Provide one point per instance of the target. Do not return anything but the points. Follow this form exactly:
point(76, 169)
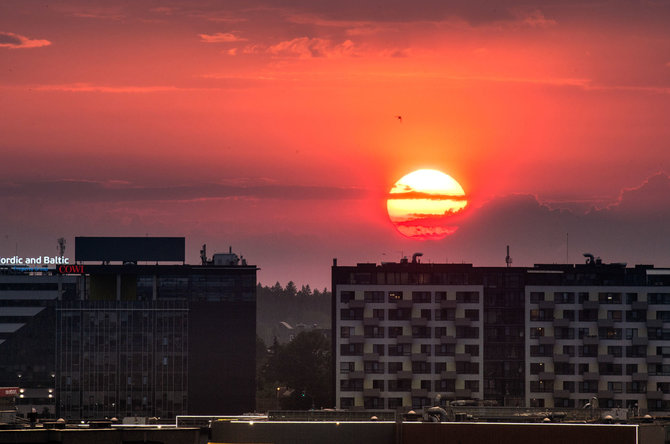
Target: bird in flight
point(399, 118)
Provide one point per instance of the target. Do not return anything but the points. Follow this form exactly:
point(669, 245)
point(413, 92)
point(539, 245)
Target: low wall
point(102, 436)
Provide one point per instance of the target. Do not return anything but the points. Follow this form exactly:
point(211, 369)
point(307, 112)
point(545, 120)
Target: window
point(351, 385)
point(445, 314)
point(421, 296)
point(400, 350)
point(636, 315)
point(609, 298)
point(420, 367)
point(445, 349)
point(659, 298)
point(440, 331)
point(610, 369)
point(631, 333)
point(569, 350)
point(541, 386)
point(583, 332)
point(445, 385)
point(588, 351)
point(426, 349)
point(467, 297)
point(351, 349)
point(394, 332)
point(379, 349)
point(564, 298)
point(536, 368)
point(588, 387)
point(420, 332)
point(564, 368)
point(373, 296)
point(615, 387)
point(346, 367)
point(351, 314)
point(346, 332)
point(536, 296)
point(440, 296)
point(564, 333)
point(373, 331)
point(467, 368)
point(569, 315)
point(378, 313)
point(631, 368)
point(400, 314)
point(471, 385)
point(631, 297)
point(590, 315)
point(395, 367)
point(394, 403)
point(546, 314)
point(583, 297)
point(615, 350)
point(472, 315)
point(373, 367)
point(615, 315)
point(536, 332)
point(426, 314)
point(569, 386)
point(346, 296)
point(472, 349)
point(440, 367)
point(467, 332)
point(609, 333)
point(541, 350)
point(395, 296)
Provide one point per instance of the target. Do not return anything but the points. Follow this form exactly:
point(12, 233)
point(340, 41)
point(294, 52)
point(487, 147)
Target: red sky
point(270, 126)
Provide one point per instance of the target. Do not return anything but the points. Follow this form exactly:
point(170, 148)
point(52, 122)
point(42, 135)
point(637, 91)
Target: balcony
point(546, 376)
point(374, 357)
point(638, 340)
point(605, 323)
point(605, 359)
point(654, 359)
point(404, 303)
point(561, 358)
point(419, 322)
point(591, 305)
point(591, 376)
point(356, 339)
point(462, 322)
point(563, 322)
point(590, 340)
point(356, 303)
point(640, 376)
point(371, 393)
point(565, 394)
point(448, 304)
point(418, 357)
point(639, 305)
point(654, 395)
point(463, 393)
point(447, 340)
point(405, 339)
point(462, 357)
point(547, 340)
point(605, 394)
point(546, 304)
point(654, 323)
point(371, 322)
point(419, 393)
point(403, 375)
point(448, 375)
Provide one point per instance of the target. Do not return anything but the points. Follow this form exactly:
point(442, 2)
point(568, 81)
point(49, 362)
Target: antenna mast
point(508, 259)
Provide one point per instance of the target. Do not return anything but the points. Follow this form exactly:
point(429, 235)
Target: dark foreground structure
point(432, 433)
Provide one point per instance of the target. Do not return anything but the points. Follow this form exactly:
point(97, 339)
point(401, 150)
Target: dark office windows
point(421, 296)
point(467, 297)
point(373, 296)
point(346, 296)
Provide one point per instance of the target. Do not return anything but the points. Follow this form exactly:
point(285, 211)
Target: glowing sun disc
point(421, 203)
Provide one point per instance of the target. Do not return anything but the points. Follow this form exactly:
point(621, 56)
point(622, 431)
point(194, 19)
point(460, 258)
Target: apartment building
point(548, 335)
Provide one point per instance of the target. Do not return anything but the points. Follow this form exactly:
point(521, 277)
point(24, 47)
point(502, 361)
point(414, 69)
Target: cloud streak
point(16, 41)
point(93, 191)
point(221, 37)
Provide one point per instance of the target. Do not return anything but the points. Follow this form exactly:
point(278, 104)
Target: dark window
point(373, 296)
point(467, 297)
point(346, 296)
point(395, 296)
point(421, 296)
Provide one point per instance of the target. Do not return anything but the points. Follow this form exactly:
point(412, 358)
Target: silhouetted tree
point(304, 366)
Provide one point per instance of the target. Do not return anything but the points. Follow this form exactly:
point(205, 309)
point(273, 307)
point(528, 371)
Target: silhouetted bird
point(399, 118)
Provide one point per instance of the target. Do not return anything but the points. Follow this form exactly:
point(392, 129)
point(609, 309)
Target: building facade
point(157, 339)
point(548, 335)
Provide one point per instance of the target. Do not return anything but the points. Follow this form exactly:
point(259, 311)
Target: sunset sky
point(272, 126)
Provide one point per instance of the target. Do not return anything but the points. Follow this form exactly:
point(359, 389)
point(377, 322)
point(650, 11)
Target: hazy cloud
point(17, 41)
point(92, 191)
point(221, 37)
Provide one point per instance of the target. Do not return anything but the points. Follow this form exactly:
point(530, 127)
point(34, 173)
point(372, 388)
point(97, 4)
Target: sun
point(421, 204)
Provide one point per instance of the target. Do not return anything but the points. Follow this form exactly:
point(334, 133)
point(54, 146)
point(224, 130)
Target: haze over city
point(279, 128)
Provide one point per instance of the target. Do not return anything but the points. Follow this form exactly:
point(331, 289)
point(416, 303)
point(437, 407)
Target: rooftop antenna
point(508, 259)
point(61, 246)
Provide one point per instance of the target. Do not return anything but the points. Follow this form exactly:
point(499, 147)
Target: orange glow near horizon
point(421, 204)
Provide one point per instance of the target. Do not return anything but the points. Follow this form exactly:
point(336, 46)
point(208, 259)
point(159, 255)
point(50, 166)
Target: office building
point(548, 335)
point(138, 332)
